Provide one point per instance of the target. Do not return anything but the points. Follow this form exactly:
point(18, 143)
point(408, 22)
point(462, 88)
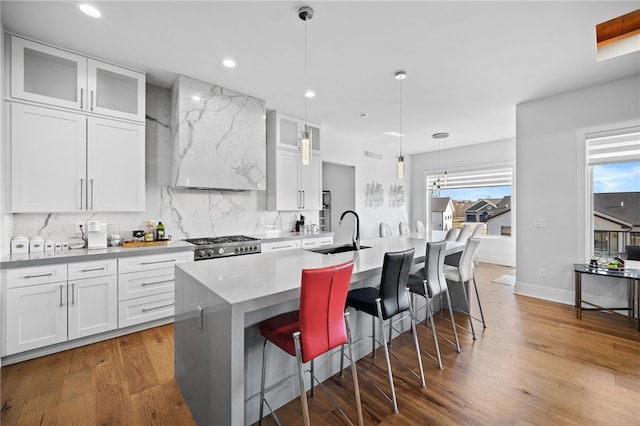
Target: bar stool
point(462, 273)
point(390, 299)
point(320, 325)
point(430, 283)
point(404, 229)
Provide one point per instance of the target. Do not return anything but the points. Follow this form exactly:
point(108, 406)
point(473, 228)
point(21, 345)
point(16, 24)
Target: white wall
point(550, 184)
point(500, 250)
point(351, 152)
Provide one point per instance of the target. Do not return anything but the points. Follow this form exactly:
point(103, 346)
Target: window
point(613, 161)
point(477, 196)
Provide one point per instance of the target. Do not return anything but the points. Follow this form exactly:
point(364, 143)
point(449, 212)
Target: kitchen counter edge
point(86, 255)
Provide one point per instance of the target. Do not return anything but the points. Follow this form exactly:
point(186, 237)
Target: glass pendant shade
point(400, 168)
point(306, 147)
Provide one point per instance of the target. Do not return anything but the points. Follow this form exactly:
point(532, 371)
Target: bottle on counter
point(160, 232)
point(149, 233)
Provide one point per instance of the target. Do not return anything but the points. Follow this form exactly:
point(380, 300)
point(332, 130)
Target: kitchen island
point(219, 304)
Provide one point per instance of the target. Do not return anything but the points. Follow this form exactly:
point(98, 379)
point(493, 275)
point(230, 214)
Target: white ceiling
point(468, 63)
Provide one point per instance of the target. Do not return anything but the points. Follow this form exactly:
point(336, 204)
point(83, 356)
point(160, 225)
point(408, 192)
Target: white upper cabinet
point(68, 162)
point(115, 165)
point(52, 76)
point(48, 160)
point(292, 185)
point(287, 131)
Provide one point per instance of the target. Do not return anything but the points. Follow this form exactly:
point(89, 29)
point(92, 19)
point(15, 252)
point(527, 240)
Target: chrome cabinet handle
point(157, 282)
point(73, 294)
point(61, 296)
point(81, 98)
point(38, 276)
point(157, 307)
point(92, 100)
point(93, 269)
point(91, 193)
point(81, 191)
point(304, 199)
point(157, 261)
point(281, 247)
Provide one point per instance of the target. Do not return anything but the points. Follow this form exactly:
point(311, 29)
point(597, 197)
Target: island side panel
point(204, 364)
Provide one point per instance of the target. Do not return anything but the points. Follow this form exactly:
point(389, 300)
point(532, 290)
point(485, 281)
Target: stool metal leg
point(264, 363)
point(386, 356)
point(354, 372)
point(303, 394)
point(373, 337)
point(433, 326)
point(475, 286)
point(453, 322)
point(415, 340)
point(466, 300)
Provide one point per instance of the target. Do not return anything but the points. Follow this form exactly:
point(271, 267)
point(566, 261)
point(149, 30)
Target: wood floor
point(534, 364)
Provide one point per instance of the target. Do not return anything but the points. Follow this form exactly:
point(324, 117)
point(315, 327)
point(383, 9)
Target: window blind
point(473, 179)
point(614, 146)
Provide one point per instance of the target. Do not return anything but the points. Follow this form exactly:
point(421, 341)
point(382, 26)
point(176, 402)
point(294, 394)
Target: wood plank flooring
point(535, 364)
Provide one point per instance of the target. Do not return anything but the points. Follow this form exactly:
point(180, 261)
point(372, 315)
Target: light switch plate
point(539, 222)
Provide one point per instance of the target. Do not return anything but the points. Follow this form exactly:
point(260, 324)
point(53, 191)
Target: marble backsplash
point(185, 213)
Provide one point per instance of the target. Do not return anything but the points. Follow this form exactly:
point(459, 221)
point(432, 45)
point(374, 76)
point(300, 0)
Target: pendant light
point(400, 75)
point(443, 135)
point(306, 14)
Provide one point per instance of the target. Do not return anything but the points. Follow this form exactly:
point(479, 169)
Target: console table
point(631, 275)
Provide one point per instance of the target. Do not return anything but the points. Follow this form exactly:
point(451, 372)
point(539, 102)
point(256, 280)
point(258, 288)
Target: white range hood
point(219, 138)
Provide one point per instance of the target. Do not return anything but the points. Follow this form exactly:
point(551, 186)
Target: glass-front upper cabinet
point(52, 76)
point(47, 75)
point(115, 91)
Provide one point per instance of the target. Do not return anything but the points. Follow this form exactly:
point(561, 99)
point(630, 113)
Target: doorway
point(339, 194)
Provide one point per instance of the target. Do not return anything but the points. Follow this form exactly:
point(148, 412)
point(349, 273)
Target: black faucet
point(356, 240)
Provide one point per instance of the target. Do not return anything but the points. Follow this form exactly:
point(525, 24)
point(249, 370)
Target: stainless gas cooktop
point(231, 245)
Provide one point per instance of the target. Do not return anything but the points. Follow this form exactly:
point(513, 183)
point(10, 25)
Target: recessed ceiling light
point(87, 9)
point(196, 98)
point(393, 134)
point(310, 94)
point(229, 63)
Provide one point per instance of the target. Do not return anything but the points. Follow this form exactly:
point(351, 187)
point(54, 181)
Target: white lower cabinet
point(145, 287)
point(93, 307)
point(36, 316)
point(52, 304)
point(317, 242)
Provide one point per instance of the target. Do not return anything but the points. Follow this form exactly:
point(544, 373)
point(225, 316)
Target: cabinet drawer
point(316, 242)
point(148, 263)
point(21, 277)
point(281, 245)
point(145, 283)
point(143, 309)
point(99, 268)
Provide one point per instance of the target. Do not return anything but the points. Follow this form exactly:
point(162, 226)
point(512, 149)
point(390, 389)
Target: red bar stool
point(320, 325)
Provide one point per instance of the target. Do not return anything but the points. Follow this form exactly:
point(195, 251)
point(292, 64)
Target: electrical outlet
point(539, 222)
point(542, 273)
point(80, 226)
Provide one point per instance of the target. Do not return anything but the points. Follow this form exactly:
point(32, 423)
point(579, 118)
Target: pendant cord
point(400, 118)
point(305, 74)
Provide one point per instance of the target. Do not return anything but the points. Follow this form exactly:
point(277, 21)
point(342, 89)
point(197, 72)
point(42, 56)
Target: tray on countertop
point(130, 244)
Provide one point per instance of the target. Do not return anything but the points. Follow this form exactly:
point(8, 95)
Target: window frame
point(584, 206)
point(483, 168)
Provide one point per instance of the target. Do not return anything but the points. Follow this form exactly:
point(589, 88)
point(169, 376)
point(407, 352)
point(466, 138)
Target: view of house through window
point(479, 198)
point(616, 207)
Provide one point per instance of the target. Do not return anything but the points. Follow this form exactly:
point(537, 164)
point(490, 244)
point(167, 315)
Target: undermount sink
point(337, 249)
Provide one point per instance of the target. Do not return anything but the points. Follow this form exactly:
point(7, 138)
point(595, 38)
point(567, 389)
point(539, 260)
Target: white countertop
point(83, 255)
point(248, 279)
